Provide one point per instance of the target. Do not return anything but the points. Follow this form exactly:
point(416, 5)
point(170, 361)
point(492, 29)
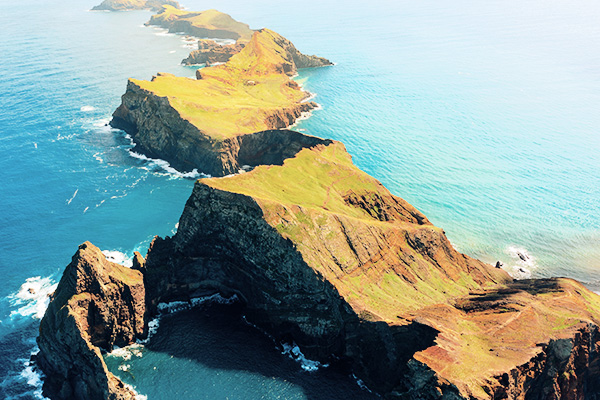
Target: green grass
point(234, 98)
point(209, 19)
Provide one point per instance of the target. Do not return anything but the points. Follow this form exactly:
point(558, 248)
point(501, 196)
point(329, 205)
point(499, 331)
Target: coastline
point(296, 122)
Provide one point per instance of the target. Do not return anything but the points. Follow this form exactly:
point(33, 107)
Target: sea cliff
point(318, 253)
point(200, 124)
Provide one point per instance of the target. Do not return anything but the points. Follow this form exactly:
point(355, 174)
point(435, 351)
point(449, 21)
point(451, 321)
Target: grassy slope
point(304, 201)
point(209, 19)
point(485, 329)
point(234, 98)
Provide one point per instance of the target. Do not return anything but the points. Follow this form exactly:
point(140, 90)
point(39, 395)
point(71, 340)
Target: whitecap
point(118, 257)
point(33, 297)
point(72, 197)
point(87, 108)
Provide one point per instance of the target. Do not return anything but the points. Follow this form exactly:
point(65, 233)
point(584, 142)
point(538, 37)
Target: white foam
point(33, 297)
point(523, 263)
point(74, 194)
point(294, 352)
point(154, 164)
point(33, 376)
point(177, 306)
point(361, 384)
point(87, 108)
point(118, 257)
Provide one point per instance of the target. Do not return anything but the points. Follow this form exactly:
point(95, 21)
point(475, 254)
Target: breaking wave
point(33, 297)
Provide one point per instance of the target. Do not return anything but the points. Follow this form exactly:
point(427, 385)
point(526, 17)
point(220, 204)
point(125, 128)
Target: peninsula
point(203, 123)
point(317, 252)
point(125, 5)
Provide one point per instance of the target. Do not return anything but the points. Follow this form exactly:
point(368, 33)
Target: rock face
point(206, 24)
point(210, 52)
point(160, 132)
point(97, 305)
point(321, 254)
point(123, 5)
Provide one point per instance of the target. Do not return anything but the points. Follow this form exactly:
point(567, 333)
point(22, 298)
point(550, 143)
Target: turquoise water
point(484, 116)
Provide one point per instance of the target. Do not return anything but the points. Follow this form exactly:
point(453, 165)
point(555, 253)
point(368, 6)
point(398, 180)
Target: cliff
point(123, 5)
point(198, 123)
point(97, 305)
point(210, 52)
point(206, 24)
point(322, 254)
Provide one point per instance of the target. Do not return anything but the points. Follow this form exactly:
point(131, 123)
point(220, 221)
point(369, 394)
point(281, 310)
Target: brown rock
point(97, 305)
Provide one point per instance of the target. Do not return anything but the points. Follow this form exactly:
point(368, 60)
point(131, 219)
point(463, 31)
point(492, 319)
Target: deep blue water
point(484, 116)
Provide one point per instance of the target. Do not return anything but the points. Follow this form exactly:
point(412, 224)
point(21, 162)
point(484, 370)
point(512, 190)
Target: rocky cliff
point(97, 305)
point(210, 52)
point(206, 24)
point(159, 131)
point(200, 124)
point(123, 5)
point(322, 254)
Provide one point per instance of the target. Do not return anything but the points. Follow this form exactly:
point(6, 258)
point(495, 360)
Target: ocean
point(482, 115)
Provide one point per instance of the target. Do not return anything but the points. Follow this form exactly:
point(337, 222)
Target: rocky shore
point(318, 253)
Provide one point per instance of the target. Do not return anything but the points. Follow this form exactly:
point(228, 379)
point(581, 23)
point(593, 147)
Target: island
point(125, 5)
point(207, 123)
point(317, 252)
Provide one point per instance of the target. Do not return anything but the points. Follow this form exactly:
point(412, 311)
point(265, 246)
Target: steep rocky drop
point(96, 306)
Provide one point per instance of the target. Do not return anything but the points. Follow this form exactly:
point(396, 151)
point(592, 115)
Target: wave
point(294, 352)
point(72, 197)
point(523, 264)
point(33, 375)
point(33, 297)
point(87, 108)
point(155, 165)
point(118, 257)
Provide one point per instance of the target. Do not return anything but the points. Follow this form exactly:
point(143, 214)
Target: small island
point(317, 252)
point(125, 5)
point(203, 124)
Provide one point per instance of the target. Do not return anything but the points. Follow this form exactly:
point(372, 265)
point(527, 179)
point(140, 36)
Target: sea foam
point(33, 297)
point(523, 263)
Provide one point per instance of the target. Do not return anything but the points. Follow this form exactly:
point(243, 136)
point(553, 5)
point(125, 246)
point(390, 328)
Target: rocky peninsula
point(125, 5)
point(317, 252)
point(204, 124)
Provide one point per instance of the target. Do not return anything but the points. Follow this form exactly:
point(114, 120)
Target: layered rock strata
point(97, 305)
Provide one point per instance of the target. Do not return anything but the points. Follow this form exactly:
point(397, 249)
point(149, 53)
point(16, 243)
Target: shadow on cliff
point(218, 338)
point(225, 245)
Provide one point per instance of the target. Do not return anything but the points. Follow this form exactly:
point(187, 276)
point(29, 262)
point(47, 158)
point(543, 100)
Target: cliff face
point(122, 5)
point(322, 254)
point(96, 306)
point(160, 132)
point(210, 52)
point(205, 24)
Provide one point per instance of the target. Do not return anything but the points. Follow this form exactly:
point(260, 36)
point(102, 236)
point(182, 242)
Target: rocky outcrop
point(323, 255)
point(123, 5)
point(159, 131)
point(97, 305)
point(206, 24)
point(210, 52)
